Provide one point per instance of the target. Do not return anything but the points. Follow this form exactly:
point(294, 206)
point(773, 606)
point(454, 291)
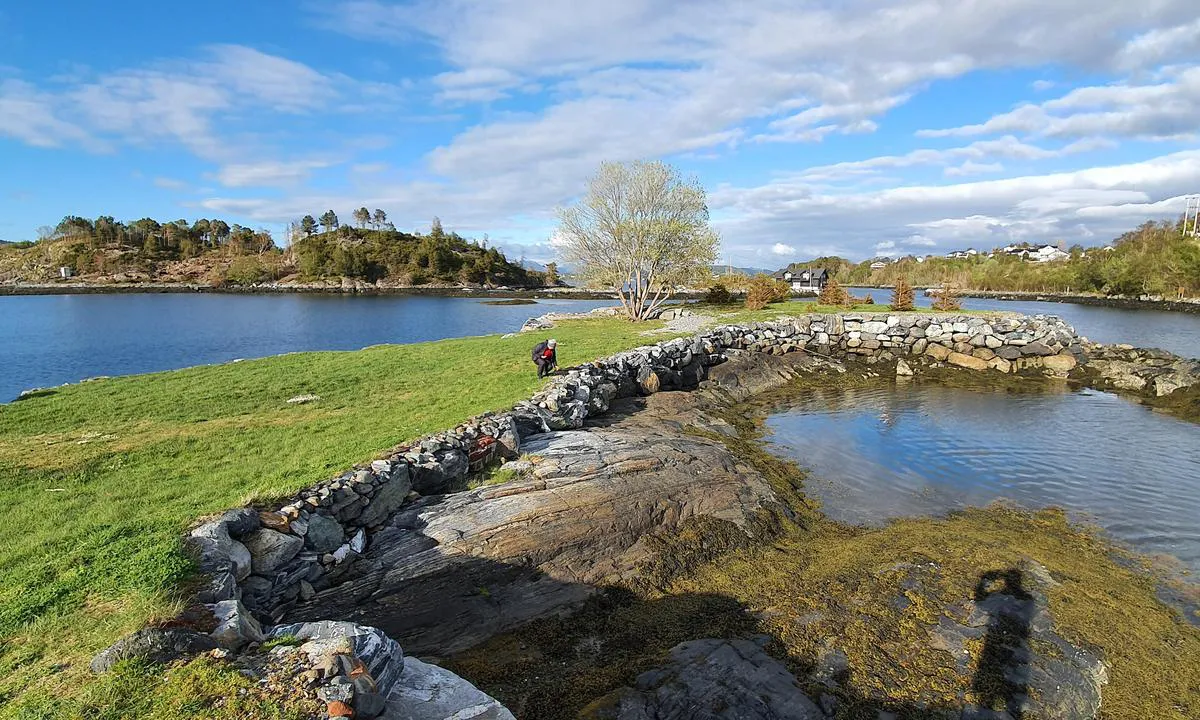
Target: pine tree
point(903, 298)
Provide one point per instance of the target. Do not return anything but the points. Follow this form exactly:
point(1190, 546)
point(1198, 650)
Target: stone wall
point(263, 563)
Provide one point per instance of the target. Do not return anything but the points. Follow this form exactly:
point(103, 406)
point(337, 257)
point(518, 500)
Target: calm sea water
point(52, 339)
point(922, 449)
point(1174, 331)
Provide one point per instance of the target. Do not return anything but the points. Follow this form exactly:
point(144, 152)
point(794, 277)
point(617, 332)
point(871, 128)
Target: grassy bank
point(99, 480)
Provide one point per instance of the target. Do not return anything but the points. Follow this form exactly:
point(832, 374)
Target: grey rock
point(153, 645)
point(710, 679)
point(388, 498)
point(382, 656)
point(428, 692)
point(236, 627)
point(1037, 347)
point(324, 534)
point(368, 705)
point(240, 522)
point(270, 549)
point(218, 551)
point(433, 478)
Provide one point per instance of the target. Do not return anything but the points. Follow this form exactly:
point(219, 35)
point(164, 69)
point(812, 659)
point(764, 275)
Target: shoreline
point(1114, 301)
point(1186, 305)
point(187, 288)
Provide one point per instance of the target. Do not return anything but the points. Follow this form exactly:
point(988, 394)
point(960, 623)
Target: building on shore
point(805, 281)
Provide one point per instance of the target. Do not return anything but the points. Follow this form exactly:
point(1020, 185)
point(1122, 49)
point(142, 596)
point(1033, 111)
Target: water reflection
point(917, 448)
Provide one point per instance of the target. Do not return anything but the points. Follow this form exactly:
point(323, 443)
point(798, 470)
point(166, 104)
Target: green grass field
point(99, 480)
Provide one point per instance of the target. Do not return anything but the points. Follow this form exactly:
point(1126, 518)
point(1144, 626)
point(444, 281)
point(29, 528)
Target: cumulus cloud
point(269, 173)
point(781, 249)
point(1076, 206)
point(1162, 110)
point(180, 101)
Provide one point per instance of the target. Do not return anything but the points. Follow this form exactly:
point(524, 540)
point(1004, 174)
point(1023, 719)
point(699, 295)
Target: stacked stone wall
point(263, 563)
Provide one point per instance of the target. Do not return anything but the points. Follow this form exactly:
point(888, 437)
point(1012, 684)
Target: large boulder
point(709, 680)
point(967, 361)
point(236, 627)
point(381, 656)
point(218, 552)
point(324, 534)
point(270, 549)
point(154, 645)
point(428, 692)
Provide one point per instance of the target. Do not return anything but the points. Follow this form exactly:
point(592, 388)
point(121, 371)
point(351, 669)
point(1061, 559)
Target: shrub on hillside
point(765, 290)
point(246, 270)
point(903, 297)
point(718, 294)
point(947, 299)
point(834, 294)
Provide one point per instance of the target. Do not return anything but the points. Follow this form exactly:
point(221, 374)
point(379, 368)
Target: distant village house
point(803, 280)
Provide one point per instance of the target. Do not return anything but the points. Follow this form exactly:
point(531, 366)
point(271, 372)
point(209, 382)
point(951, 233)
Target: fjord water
point(916, 448)
point(53, 339)
point(1176, 332)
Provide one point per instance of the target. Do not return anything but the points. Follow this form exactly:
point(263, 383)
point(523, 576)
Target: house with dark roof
point(805, 281)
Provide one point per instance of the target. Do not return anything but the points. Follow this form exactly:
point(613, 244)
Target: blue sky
point(857, 128)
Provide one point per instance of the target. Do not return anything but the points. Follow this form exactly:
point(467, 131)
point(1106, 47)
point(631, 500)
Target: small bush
point(718, 294)
point(869, 299)
point(765, 290)
point(246, 271)
point(903, 298)
point(947, 299)
point(834, 294)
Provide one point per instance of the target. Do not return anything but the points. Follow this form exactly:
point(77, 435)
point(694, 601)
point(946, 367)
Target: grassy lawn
point(99, 480)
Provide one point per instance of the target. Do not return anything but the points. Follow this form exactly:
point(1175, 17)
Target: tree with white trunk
point(642, 230)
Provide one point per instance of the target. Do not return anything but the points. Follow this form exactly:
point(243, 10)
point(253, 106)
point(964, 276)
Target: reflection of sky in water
point(920, 449)
point(51, 339)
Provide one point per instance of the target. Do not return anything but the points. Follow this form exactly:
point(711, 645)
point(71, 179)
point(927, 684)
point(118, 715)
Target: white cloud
point(1163, 110)
point(781, 249)
point(970, 167)
point(269, 173)
point(1043, 85)
point(178, 101)
point(1079, 205)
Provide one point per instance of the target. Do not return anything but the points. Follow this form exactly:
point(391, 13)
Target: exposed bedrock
point(448, 572)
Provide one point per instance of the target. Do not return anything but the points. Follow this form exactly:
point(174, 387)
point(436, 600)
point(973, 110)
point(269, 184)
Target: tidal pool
point(921, 448)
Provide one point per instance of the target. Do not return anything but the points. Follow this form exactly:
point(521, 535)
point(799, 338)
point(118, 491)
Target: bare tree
point(642, 229)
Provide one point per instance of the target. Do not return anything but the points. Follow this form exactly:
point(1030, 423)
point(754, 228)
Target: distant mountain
point(536, 266)
point(725, 270)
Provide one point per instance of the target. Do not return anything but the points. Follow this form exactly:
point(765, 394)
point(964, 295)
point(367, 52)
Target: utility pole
point(1191, 217)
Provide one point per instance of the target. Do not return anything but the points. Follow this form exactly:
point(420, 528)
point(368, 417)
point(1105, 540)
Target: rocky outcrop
point(384, 543)
point(358, 671)
point(1151, 372)
point(710, 680)
point(450, 572)
point(1002, 643)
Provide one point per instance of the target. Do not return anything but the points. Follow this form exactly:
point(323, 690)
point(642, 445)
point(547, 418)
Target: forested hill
point(213, 252)
point(1154, 259)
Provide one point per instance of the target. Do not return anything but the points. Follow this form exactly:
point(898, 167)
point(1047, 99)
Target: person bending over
point(544, 357)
